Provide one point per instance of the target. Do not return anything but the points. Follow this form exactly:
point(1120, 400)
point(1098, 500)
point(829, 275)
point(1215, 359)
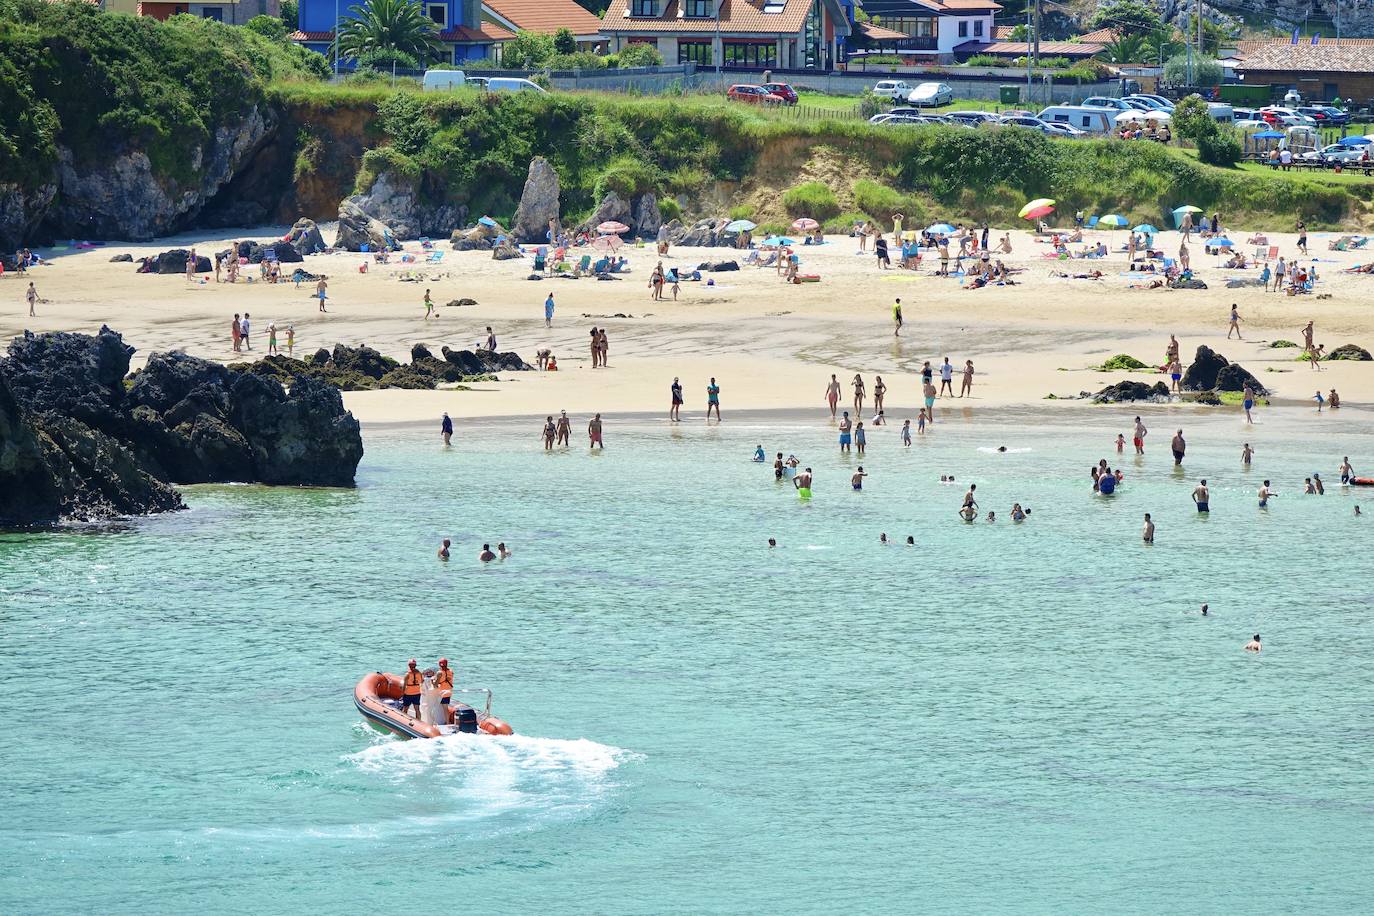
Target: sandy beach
point(769, 344)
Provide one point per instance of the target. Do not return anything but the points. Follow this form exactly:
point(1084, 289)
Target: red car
point(756, 95)
point(782, 91)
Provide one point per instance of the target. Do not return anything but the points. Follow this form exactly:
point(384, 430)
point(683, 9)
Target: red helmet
point(443, 663)
point(411, 663)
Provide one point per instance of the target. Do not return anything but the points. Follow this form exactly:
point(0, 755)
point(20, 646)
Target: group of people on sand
point(240, 334)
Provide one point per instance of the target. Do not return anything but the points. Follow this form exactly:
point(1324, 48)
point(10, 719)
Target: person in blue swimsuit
point(845, 426)
point(712, 400)
point(675, 412)
point(760, 455)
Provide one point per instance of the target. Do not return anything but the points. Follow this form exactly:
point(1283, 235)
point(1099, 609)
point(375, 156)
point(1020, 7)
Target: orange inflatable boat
point(378, 698)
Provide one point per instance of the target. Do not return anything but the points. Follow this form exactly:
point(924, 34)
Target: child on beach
point(906, 433)
point(1120, 443)
point(860, 440)
point(320, 289)
point(1319, 399)
point(290, 340)
point(921, 422)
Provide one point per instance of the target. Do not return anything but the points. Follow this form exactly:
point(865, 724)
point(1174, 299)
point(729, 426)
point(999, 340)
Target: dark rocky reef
point(79, 441)
point(364, 369)
point(1210, 371)
point(1350, 351)
point(1132, 391)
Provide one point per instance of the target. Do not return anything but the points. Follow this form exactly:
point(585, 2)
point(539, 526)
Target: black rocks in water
point(1132, 391)
point(77, 441)
point(1211, 371)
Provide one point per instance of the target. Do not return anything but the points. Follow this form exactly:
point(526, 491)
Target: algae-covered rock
point(1350, 351)
point(1121, 361)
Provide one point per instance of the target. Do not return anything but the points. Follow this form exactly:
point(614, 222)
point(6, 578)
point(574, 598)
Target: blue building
point(462, 32)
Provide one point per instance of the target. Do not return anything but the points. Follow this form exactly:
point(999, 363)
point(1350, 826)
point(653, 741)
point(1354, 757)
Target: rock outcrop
point(364, 369)
point(305, 237)
point(357, 228)
point(408, 210)
point(1210, 370)
point(1131, 391)
point(1350, 351)
point(613, 207)
point(645, 217)
point(538, 203)
point(76, 441)
point(174, 262)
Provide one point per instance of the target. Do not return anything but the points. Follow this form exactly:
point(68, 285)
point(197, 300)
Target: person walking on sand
point(1179, 447)
point(712, 400)
point(1248, 401)
point(271, 338)
point(548, 433)
point(897, 318)
point(879, 390)
point(191, 265)
point(1302, 237)
point(236, 332)
point(244, 325)
point(31, 294)
point(1183, 253)
point(290, 340)
point(1279, 270)
point(859, 392)
point(966, 388)
point(563, 435)
point(446, 429)
point(675, 411)
point(832, 394)
point(897, 220)
point(1235, 322)
point(928, 391)
point(1147, 532)
point(322, 293)
point(594, 433)
point(429, 306)
point(548, 311)
point(946, 378)
point(1139, 436)
point(1200, 496)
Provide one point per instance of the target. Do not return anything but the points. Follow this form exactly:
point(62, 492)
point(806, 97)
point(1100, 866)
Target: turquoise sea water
point(1004, 719)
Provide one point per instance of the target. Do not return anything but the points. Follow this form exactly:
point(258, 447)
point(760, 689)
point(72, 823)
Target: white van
point(1221, 112)
point(444, 79)
point(510, 84)
point(1084, 117)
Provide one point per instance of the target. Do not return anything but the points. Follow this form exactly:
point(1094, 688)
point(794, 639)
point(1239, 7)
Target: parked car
point(1247, 117)
point(931, 95)
point(880, 119)
point(1325, 115)
point(754, 95)
point(507, 84)
point(972, 118)
point(1149, 102)
point(1286, 117)
point(1057, 129)
point(478, 82)
point(1030, 122)
point(892, 89)
point(1102, 101)
point(1090, 118)
point(782, 91)
point(1336, 152)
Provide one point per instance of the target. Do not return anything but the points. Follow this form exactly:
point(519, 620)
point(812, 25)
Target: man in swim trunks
point(832, 394)
point(929, 392)
point(969, 500)
point(594, 433)
point(1264, 495)
point(777, 468)
point(845, 426)
point(1147, 532)
point(674, 412)
point(946, 378)
point(1179, 447)
point(1200, 496)
point(1248, 401)
point(486, 556)
point(857, 481)
point(411, 689)
point(1347, 471)
point(802, 483)
point(1139, 439)
point(712, 400)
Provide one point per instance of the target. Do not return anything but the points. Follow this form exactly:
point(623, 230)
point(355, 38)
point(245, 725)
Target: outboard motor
point(465, 717)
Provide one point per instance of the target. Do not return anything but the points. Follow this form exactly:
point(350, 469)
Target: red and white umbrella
point(611, 227)
point(805, 224)
point(608, 243)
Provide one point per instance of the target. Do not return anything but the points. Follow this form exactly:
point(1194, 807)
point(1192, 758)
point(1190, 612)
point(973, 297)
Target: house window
point(699, 9)
point(963, 28)
point(213, 12)
point(978, 29)
point(917, 28)
point(694, 52)
point(750, 54)
point(438, 14)
point(644, 8)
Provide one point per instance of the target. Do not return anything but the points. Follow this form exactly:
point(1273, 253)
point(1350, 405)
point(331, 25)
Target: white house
point(934, 28)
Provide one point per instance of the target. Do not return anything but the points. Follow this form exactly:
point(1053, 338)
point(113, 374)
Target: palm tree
point(1125, 49)
point(1161, 44)
point(381, 27)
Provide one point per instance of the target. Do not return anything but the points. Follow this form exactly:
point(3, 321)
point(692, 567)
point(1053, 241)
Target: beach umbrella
point(805, 224)
point(608, 242)
point(777, 241)
point(488, 221)
point(910, 235)
point(611, 227)
point(1113, 221)
point(941, 229)
point(1146, 228)
point(1186, 208)
point(741, 225)
point(1037, 208)
point(1268, 135)
point(1354, 141)
point(1218, 243)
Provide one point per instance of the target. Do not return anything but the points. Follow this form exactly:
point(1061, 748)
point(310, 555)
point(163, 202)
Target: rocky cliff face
point(76, 442)
point(408, 209)
point(121, 197)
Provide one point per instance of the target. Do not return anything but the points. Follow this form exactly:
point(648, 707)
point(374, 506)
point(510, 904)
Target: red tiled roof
point(1097, 36)
point(970, 5)
point(1245, 46)
point(298, 35)
point(1319, 58)
point(1020, 48)
point(1002, 32)
point(878, 33)
point(546, 16)
point(488, 32)
point(735, 16)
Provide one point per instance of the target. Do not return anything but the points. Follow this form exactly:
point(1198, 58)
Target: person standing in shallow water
point(1179, 446)
point(712, 400)
point(550, 430)
point(675, 411)
point(446, 429)
point(1147, 532)
point(1139, 436)
point(832, 394)
point(1201, 496)
point(564, 432)
point(594, 433)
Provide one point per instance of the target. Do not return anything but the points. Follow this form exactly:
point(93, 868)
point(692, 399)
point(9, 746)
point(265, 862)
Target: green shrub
point(871, 105)
point(1219, 147)
point(577, 60)
point(741, 211)
point(639, 55)
point(1282, 344)
point(842, 224)
point(1120, 362)
point(1206, 72)
point(985, 60)
point(527, 51)
point(269, 27)
point(669, 209)
point(627, 176)
point(811, 198)
point(871, 197)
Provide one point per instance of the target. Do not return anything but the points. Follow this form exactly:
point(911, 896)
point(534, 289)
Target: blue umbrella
point(778, 240)
point(1146, 228)
point(487, 221)
point(941, 229)
point(1218, 243)
point(1268, 135)
point(740, 225)
point(1354, 141)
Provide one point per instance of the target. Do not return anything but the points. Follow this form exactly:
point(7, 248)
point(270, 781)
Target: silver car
point(931, 95)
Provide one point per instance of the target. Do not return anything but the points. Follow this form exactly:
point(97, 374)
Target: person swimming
point(968, 513)
point(1254, 644)
point(911, 541)
point(882, 539)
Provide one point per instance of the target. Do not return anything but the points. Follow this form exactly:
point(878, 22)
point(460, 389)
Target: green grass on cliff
point(100, 84)
point(479, 146)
